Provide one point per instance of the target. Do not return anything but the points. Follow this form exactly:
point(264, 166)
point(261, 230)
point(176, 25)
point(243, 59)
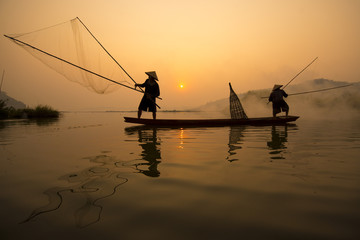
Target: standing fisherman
point(279, 104)
point(152, 91)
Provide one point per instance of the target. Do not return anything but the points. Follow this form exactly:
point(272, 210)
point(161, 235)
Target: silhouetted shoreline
point(39, 112)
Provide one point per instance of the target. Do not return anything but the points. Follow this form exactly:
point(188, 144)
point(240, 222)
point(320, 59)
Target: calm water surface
point(90, 175)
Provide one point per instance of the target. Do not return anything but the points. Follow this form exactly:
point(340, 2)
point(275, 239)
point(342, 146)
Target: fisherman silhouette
point(277, 98)
point(152, 91)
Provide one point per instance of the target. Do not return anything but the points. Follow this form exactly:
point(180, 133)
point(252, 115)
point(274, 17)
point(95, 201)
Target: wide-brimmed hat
point(152, 74)
point(276, 86)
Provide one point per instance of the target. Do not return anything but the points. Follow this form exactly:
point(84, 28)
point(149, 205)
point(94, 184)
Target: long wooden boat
point(211, 122)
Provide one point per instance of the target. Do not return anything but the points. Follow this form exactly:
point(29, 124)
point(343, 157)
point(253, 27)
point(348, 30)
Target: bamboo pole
point(300, 72)
point(319, 90)
point(72, 64)
point(114, 59)
point(106, 51)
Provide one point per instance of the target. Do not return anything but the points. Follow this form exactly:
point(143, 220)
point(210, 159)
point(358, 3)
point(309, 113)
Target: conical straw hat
point(152, 74)
point(276, 87)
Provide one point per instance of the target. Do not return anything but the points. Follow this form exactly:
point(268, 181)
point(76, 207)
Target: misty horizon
point(198, 46)
point(333, 103)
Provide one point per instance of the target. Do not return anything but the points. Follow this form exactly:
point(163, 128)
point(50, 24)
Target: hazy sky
point(203, 44)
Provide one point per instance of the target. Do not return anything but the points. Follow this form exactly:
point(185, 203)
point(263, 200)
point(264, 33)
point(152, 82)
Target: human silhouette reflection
point(235, 139)
point(150, 155)
point(93, 184)
point(278, 139)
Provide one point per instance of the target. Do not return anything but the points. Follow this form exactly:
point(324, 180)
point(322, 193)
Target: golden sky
point(202, 44)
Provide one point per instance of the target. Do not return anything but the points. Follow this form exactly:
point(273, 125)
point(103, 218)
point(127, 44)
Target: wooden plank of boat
point(211, 122)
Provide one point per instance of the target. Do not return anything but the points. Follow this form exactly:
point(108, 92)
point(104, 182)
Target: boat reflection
point(150, 155)
point(92, 184)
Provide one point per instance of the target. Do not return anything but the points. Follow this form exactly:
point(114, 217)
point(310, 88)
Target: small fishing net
point(236, 109)
point(70, 49)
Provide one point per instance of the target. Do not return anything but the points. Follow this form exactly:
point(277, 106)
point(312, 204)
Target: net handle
point(110, 55)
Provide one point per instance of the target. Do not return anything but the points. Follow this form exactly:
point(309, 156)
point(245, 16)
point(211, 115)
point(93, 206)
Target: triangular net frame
point(70, 49)
point(236, 109)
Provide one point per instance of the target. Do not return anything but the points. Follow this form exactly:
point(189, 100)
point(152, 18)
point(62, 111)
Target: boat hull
point(211, 122)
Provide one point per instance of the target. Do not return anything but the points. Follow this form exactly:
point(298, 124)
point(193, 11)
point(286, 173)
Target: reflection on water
point(39, 122)
point(44, 122)
point(277, 144)
point(235, 139)
point(150, 144)
point(93, 184)
point(9, 126)
point(191, 183)
point(96, 183)
point(278, 139)
point(150, 155)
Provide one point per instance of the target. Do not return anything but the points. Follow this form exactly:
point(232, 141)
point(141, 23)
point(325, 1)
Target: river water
point(90, 176)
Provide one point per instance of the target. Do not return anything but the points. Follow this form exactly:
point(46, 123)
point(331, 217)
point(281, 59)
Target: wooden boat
point(211, 122)
point(237, 113)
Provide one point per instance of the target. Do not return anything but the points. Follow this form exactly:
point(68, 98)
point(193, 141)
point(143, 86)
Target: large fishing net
point(70, 49)
point(236, 109)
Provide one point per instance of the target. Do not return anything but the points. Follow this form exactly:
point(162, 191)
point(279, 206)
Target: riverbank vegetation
point(40, 111)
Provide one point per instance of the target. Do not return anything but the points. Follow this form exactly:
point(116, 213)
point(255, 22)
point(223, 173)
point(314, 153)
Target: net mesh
point(70, 41)
point(236, 109)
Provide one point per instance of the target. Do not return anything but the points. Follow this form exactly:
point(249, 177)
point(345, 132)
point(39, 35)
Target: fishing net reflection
point(235, 140)
point(93, 184)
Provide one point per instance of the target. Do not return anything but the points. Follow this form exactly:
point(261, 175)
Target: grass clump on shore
point(40, 111)
point(3, 110)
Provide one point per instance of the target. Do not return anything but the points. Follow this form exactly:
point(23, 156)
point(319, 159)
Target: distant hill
point(11, 102)
point(336, 103)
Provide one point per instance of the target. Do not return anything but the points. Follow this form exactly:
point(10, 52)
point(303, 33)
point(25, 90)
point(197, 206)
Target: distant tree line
point(40, 111)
